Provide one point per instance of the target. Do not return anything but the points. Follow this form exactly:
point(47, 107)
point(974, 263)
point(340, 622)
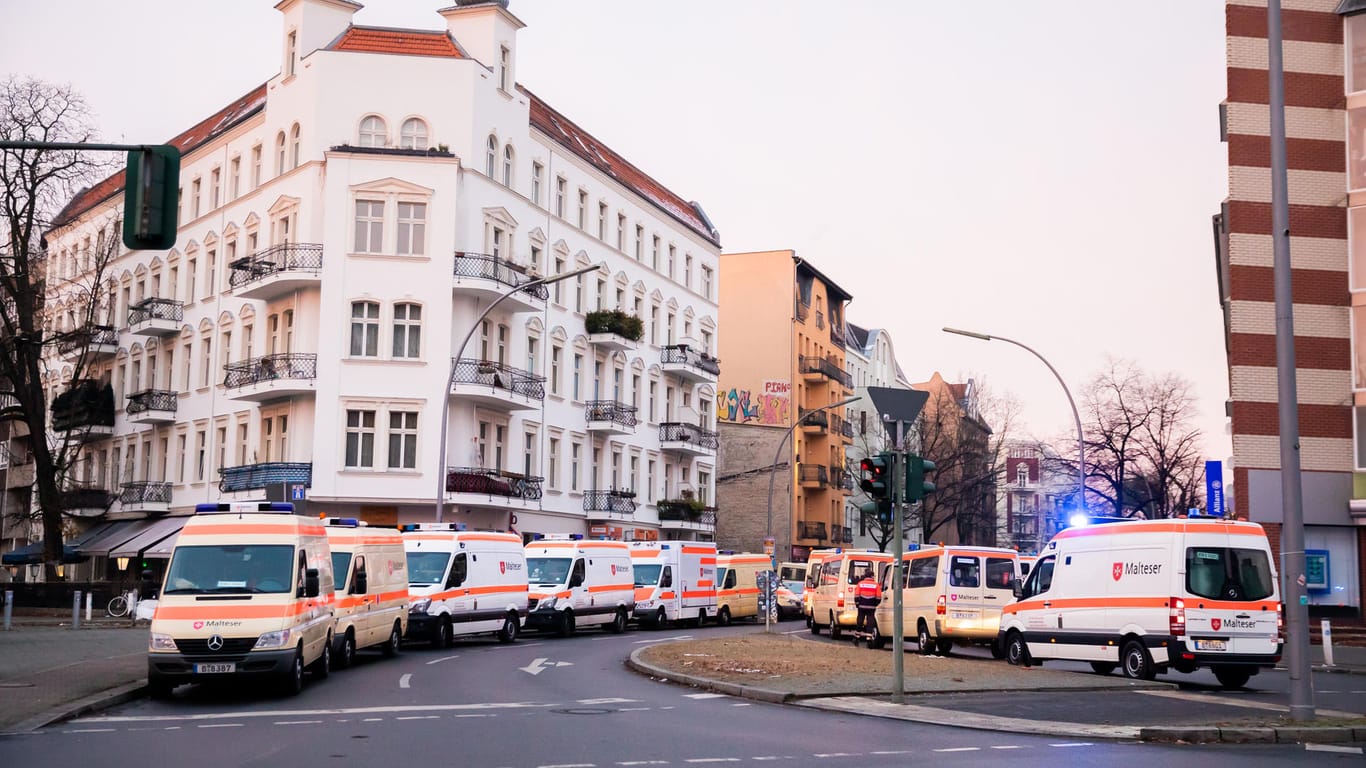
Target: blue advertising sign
point(1214, 489)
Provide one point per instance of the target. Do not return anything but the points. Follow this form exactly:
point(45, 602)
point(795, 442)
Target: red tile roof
point(408, 42)
point(582, 144)
point(214, 125)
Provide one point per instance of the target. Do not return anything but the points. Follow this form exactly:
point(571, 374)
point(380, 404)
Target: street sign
point(1214, 488)
point(894, 405)
point(297, 492)
point(768, 545)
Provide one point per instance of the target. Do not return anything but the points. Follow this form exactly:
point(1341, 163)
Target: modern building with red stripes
point(1324, 52)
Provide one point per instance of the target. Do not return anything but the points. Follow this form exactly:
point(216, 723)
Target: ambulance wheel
point(998, 649)
point(1103, 667)
point(292, 684)
point(1137, 663)
point(347, 657)
point(943, 645)
point(390, 648)
point(1017, 652)
point(834, 627)
point(322, 666)
point(441, 635)
point(566, 627)
point(1233, 677)
point(618, 624)
point(723, 617)
point(661, 619)
point(812, 625)
point(923, 639)
point(159, 687)
point(875, 639)
point(508, 634)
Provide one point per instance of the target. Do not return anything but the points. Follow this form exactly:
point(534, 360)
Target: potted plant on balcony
point(615, 321)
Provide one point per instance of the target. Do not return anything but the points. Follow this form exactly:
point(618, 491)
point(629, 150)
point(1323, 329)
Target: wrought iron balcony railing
point(87, 497)
point(283, 365)
point(686, 355)
point(145, 492)
point(156, 309)
point(611, 411)
point(250, 477)
point(813, 473)
point(617, 501)
point(681, 510)
point(484, 266)
point(846, 534)
point(87, 336)
point(151, 400)
point(492, 482)
point(286, 257)
point(673, 431)
point(825, 367)
point(807, 530)
point(809, 418)
point(499, 376)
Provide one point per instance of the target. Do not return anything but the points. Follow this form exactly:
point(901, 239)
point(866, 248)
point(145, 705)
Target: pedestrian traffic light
point(150, 198)
point(881, 509)
point(917, 487)
point(875, 475)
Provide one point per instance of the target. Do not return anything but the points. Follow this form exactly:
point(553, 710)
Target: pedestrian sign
point(296, 492)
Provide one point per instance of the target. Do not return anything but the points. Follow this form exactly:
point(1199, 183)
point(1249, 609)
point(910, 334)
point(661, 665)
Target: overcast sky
point(1041, 170)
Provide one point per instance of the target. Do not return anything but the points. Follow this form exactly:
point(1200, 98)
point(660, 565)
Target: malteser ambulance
point(812, 576)
point(248, 593)
point(737, 592)
point(950, 595)
point(832, 597)
point(577, 582)
point(1150, 596)
point(675, 581)
point(371, 573)
point(464, 583)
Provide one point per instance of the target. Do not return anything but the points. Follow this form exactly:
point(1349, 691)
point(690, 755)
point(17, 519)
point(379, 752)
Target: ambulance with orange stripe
point(737, 592)
point(675, 581)
point(950, 595)
point(577, 582)
point(1151, 596)
point(248, 593)
point(371, 573)
point(832, 597)
point(464, 583)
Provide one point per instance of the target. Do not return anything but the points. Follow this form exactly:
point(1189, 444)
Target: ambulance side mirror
point(1017, 587)
point(311, 582)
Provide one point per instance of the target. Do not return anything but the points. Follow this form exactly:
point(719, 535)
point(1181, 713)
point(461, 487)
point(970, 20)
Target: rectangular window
point(537, 173)
point(360, 439)
point(1227, 573)
point(504, 67)
point(673, 253)
point(194, 198)
point(256, 166)
point(556, 352)
point(687, 270)
point(402, 440)
point(369, 226)
point(621, 232)
point(407, 331)
point(529, 454)
point(583, 209)
point(577, 374)
point(559, 270)
point(575, 452)
point(552, 463)
point(640, 242)
point(496, 242)
point(412, 228)
point(201, 449)
point(211, 273)
point(234, 177)
point(205, 360)
point(654, 253)
point(706, 282)
point(654, 394)
point(365, 329)
point(560, 191)
point(650, 481)
point(215, 178)
point(602, 222)
point(532, 350)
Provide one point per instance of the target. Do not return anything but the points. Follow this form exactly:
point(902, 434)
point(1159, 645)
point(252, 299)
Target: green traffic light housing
point(881, 509)
point(150, 198)
point(876, 474)
point(917, 487)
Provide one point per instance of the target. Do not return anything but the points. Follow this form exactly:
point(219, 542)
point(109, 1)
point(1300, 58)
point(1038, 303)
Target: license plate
point(962, 615)
point(214, 669)
point(1211, 645)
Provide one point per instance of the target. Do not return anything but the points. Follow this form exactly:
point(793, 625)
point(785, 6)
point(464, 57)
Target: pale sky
point(1040, 170)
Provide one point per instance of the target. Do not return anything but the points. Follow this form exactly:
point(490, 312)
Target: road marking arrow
point(535, 667)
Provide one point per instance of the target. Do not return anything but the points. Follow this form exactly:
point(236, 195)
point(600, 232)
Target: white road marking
point(838, 754)
point(608, 701)
point(644, 762)
point(1073, 744)
point(713, 760)
point(1330, 691)
point(373, 720)
point(704, 695)
point(742, 704)
point(492, 705)
point(515, 646)
point(662, 639)
point(1333, 748)
point(221, 725)
point(173, 728)
point(479, 715)
point(668, 707)
point(635, 709)
point(892, 752)
point(403, 681)
point(296, 722)
point(92, 730)
point(796, 632)
point(1008, 746)
point(443, 658)
point(419, 717)
point(958, 749)
point(568, 765)
point(1356, 691)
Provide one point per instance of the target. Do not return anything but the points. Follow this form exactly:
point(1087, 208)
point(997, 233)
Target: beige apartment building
point(783, 339)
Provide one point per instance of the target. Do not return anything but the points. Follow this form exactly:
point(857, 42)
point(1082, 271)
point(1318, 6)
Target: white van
point(950, 595)
point(577, 583)
point(832, 597)
point(675, 581)
point(248, 593)
point(737, 592)
point(1150, 596)
point(464, 583)
point(371, 598)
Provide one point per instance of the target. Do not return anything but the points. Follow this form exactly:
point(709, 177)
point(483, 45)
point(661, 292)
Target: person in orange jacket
point(867, 595)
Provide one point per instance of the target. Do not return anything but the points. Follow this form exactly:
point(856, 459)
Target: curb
point(84, 706)
point(634, 663)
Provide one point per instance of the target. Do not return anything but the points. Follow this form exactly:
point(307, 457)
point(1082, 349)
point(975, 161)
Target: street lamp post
point(1081, 445)
point(450, 376)
point(773, 472)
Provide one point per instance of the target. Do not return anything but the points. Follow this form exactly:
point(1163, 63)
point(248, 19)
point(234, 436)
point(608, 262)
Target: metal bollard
point(1327, 628)
point(133, 606)
point(9, 602)
point(89, 598)
point(76, 610)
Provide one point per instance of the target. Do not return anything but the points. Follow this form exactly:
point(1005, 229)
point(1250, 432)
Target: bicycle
point(120, 606)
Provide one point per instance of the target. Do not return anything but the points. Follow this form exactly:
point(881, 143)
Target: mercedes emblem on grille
point(216, 643)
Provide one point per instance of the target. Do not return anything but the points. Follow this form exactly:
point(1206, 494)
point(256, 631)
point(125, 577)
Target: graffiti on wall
point(770, 406)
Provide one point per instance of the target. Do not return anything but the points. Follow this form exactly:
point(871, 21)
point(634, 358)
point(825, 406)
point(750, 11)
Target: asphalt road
point(549, 702)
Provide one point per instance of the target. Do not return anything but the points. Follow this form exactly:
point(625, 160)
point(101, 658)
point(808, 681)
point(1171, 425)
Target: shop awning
point(120, 532)
point(159, 530)
point(32, 554)
point(162, 549)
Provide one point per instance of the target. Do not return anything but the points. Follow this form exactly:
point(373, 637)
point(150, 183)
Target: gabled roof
point(857, 334)
point(582, 144)
point(217, 123)
point(405, 42)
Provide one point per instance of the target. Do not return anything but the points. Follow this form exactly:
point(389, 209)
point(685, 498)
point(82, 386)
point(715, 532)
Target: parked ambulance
point(950, 595)
point(248, 593)
point(371, 573)
point(832, 597)
point(577, 582)
point(811, 576)
point(674, 580)
point(737, 594)
point(463, 583)
point(1150, 596)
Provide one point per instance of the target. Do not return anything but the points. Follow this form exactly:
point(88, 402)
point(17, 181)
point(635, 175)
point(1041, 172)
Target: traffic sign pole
point(898, 630)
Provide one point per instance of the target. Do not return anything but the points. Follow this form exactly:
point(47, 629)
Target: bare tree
point(34, 184)
point(1116, 415)
point(1170, 447)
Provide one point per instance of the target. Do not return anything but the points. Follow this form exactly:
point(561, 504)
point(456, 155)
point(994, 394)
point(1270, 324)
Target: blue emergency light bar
point(245, 506)
point(349, 522)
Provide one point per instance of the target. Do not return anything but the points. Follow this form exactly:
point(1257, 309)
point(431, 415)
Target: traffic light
point(876, 475)
point(917, 487)
point(150, 198)
point(881, 509)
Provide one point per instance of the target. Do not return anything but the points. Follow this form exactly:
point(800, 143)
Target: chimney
point(486, 31)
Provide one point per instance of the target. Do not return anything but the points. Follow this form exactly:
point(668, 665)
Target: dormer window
point(291, 53)
point(373, 131)
point(504, 64)
point(414, 134)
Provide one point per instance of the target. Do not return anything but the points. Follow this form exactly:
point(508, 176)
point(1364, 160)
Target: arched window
point(407, 330)
point(280, 153)
point(508, 157)
point(373, 132)
point(414, 134)
point(294, 146)
point(491, 160)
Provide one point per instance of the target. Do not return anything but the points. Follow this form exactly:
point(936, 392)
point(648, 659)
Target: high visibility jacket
point(867, 593)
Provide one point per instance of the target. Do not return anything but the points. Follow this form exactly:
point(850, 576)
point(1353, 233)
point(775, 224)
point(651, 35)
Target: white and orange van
point(248, 593)
point(371, 574)
point(811, 576)
point(463, 583)
point(950, 595)
point(1149, 596)
point(832, 597)
point(737, 593)
point(577, 582)
point(675, 581)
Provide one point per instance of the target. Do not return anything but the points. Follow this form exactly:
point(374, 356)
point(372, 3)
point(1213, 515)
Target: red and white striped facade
point(1328, 276)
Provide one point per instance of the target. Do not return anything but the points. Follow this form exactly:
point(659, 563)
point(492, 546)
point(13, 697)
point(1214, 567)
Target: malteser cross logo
point(1215, 623)
point(1117, 571)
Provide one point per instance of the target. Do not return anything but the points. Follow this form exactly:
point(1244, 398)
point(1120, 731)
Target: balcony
point(475, 487)
point(687, 438)
point(494, 385)
point(845, 533)
point(841, 479)
point(86, 501)
point(487, 277)
point(609, 417)
point(824, 368)
point(813, 475)
point(277, 271)
point(689, 364)
point(616, 504)
point(836, 333)
point(815, 422)
point(156, 317)
point(687, 515)
point(614, 330)
point(803, 310)
point(94, 342)
point(19, 475)
point(84, 412)
point(841, 427)
point(148, 496)
point(271, 377)
point(152, 406)
point(807, 530)
point(255, 477)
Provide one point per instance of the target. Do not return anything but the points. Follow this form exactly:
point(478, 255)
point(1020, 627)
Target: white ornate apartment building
point(342, 226)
